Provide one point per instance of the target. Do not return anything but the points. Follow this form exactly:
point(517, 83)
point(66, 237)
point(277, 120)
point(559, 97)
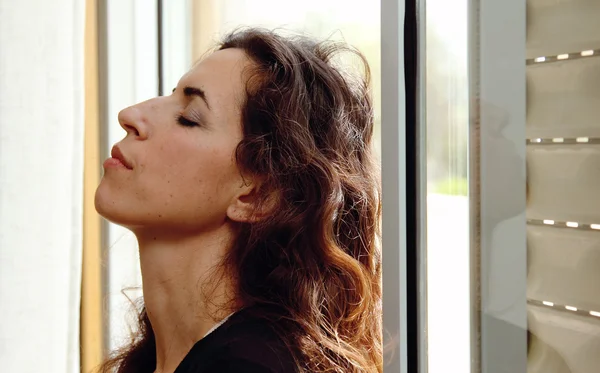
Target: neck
point(179, 274)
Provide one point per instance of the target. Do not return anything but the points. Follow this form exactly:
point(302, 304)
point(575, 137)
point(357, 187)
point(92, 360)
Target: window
point(513, 232)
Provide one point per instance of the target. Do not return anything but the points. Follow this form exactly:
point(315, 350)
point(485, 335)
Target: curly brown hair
point(315, 261)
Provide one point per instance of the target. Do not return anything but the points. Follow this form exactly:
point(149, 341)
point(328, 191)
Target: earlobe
point(243, 205)
point(241, 212)
point(251, 207)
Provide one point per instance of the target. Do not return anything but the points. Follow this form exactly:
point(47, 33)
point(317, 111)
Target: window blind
point(563, 171)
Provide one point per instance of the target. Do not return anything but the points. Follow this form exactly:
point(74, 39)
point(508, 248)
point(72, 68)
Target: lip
point(118, 157)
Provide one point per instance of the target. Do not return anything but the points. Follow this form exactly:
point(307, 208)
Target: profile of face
point(175, 169)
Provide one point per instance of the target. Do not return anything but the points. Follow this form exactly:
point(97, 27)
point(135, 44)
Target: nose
point(133, 121)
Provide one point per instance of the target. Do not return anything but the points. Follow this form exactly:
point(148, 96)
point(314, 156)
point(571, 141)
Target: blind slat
point(562, 342)
point(563, 183)
point(563, 99)
point(562, 26)
point(563, 267)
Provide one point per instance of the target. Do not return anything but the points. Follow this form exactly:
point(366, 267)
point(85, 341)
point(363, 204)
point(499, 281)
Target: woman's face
point(179, 169)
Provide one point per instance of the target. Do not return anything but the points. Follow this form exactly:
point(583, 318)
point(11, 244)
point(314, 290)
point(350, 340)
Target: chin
point(110, 208)
point(106, 208)
point(122, 210)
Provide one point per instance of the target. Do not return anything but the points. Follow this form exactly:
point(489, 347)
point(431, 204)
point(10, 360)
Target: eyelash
point(186, 122)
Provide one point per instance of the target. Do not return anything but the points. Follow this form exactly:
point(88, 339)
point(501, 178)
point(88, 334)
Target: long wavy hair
point(315, 261)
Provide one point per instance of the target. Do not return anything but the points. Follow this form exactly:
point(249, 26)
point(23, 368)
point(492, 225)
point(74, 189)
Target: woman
point(253, 195)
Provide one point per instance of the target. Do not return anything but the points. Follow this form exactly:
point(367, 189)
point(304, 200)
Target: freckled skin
point(183, 178)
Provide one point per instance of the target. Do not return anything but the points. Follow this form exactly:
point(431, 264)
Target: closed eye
point(187, 122)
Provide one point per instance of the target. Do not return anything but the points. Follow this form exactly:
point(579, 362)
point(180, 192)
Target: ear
point(249, 205)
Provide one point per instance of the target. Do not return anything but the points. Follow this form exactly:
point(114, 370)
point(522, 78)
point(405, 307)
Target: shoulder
point(245, 343)
point(256, 342)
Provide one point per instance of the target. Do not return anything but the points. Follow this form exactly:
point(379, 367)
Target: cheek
point(193, 173)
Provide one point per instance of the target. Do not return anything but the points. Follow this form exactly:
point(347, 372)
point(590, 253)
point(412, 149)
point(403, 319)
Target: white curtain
point(41, 182)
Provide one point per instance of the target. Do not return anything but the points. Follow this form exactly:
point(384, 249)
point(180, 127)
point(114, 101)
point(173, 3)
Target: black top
point(243, 344)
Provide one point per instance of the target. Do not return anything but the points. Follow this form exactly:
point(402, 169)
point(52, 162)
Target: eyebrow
point(196, 92)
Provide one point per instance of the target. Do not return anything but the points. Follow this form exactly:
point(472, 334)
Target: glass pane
point(476, 241)
point(447, 211)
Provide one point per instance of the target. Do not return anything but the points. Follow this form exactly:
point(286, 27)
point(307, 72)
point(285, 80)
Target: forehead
point(220, 75)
